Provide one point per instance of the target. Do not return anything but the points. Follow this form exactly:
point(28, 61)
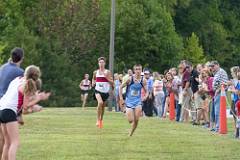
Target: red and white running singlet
point(13, 98)
point(85, 85)
point(102, 84)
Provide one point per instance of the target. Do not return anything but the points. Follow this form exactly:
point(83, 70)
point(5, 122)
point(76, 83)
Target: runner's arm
point(94, 78)
point(124, 84)
point(80, 85)
point(90, 85)
point(110, 78)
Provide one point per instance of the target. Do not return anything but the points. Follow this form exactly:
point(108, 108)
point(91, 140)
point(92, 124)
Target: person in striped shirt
point(220, 78)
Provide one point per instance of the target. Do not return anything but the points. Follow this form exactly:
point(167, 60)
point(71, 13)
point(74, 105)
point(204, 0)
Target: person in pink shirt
point(158, 93)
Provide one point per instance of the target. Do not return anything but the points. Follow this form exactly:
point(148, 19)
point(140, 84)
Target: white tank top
point(85, 85)
point(13, 98)
point(102, 84)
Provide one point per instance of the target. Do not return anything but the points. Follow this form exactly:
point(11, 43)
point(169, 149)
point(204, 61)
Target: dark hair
point(102, 58)
point(17, 54)
point(165, 71)
point(169, 73)
point(146, 70)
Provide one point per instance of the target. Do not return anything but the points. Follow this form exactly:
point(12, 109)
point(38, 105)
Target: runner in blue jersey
point(133, 101)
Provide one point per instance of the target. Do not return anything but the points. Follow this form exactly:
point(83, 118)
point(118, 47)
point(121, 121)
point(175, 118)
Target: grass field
point(71, 134)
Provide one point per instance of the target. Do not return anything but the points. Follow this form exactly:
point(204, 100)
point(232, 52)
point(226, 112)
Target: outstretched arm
point(30, 101)
point(124, 84)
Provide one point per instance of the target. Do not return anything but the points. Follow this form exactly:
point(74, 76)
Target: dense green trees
point(65, 37)
point(192, 51)
point(215, 22)
point(145, 34)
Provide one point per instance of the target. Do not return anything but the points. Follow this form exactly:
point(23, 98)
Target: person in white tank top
point(102, 80)
point(102, 83)
point(13, 98)
point(85, 86)
point(17, 97)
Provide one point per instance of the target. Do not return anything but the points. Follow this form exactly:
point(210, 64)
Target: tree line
point(65, 37)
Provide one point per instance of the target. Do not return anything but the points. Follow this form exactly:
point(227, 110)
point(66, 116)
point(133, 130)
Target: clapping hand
point(43, 95)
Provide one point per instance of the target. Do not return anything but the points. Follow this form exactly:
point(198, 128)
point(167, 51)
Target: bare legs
point(100, 110)
point(11, 140)
point(133, 116)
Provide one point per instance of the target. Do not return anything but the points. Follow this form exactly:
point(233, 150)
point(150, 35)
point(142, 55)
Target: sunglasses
point(138, 69)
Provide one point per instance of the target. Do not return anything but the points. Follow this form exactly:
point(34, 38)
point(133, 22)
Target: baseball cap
point(213, 63)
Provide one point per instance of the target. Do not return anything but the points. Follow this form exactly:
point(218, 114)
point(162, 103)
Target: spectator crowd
point(196, 89)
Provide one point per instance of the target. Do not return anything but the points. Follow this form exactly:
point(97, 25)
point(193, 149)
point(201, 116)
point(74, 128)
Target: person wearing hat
point(148, 103)
point(147, 75)
point(8, 72)
point(125, 78)
point(220, 78)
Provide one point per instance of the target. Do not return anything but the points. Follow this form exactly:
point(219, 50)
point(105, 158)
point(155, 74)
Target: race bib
point(134, 93)
point(100, 85)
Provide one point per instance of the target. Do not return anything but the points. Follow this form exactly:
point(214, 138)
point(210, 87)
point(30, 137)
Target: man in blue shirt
point(10, 70)
point(149, 79)
point(148, 103)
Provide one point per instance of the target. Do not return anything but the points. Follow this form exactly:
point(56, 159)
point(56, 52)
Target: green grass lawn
point(71, 134)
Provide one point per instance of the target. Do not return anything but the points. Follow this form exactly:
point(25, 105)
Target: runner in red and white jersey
point(102, 80)
point(85, 87)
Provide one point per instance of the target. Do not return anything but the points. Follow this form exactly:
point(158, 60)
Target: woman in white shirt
point(18, 97)
point(158, 93)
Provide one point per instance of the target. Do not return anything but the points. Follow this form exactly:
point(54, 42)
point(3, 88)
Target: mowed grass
point(71, 134)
